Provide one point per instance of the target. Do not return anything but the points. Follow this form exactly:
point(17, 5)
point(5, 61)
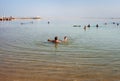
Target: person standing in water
point(97, 25)
point(48, 22)
point(85, 28)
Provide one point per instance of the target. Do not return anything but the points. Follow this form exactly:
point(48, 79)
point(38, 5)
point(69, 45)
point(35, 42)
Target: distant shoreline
point(13, 18)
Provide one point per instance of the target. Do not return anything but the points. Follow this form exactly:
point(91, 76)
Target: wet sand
point(47, 71)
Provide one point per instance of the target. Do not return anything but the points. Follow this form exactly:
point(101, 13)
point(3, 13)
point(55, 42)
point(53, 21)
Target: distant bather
point(97, 25)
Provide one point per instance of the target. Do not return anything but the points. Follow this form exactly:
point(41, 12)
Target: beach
point(89, 55)
point(60, 72)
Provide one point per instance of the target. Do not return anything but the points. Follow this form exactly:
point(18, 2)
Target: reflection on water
point(91, 55)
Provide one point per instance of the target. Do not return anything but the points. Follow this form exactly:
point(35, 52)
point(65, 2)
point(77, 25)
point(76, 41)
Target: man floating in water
point(56, 40)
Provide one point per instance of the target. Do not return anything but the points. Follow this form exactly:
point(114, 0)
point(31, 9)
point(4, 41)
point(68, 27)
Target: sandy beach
point(59, 72)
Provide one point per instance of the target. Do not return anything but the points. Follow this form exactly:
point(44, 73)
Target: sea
point(90, 54)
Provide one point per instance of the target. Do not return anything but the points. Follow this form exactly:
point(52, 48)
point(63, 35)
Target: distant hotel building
point(6, 18)
point(11, 18)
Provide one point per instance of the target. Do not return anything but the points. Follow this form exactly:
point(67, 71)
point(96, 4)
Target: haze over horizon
point(60, 8)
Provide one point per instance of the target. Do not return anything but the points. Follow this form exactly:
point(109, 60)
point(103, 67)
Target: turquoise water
point(91, 55)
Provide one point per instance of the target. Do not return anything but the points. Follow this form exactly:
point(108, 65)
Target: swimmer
point(65, 39)
point(55, 40)
point(85, 28)
point(58, 41)
point(97, 25)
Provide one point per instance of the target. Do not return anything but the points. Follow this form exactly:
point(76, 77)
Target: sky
point(60, 8)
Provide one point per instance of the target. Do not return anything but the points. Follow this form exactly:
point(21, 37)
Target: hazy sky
point(60, 8)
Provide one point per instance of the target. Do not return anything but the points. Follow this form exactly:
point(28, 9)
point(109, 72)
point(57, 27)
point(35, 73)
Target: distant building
point(6, 18)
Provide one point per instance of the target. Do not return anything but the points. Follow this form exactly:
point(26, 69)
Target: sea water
point(89, 55)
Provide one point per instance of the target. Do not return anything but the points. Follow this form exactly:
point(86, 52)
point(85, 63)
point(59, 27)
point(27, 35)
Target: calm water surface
point(91, 55)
